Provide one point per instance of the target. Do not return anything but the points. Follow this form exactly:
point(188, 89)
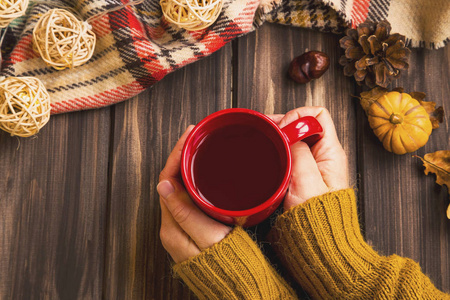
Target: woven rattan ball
point(24, 106)
point(191, 14)
point(11, 9)
point(62, 40)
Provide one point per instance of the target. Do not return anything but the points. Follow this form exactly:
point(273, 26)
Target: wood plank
point(52, 204)
point(392, 226)
point(404, 210)
point(145, 131)
point(262, 84)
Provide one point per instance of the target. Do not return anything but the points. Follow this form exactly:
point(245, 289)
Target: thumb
point(306, 179)
point(202, 229)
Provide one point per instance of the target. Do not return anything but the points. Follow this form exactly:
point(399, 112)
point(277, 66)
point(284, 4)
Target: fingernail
point(165, 188)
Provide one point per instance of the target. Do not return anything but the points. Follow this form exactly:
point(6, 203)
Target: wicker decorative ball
point(24, 106)
point(11, 9)
point(62, 40)
point(191, 14)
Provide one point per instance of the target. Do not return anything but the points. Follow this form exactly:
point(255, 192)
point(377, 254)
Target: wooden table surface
point(79, 211)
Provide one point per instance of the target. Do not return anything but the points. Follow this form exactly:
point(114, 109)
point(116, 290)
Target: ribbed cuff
point(321, 244)
point(234, 268)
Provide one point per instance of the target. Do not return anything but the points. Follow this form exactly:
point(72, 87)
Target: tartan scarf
point(136, 47)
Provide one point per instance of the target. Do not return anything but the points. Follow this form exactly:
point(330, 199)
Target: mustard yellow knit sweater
point(321, 245)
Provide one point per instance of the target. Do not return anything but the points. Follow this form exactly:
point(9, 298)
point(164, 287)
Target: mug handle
point(306, 128)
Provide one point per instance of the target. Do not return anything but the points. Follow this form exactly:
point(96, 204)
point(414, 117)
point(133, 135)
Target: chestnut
point(308, 66)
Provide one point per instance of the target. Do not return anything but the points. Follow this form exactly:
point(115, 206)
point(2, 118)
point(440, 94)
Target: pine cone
point(374, 55)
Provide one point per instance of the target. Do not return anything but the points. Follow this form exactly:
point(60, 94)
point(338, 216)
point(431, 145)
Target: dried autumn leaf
point(398, 89)
point(436, 114)
point(419, 96)
point(439, 164)
point(369, 97)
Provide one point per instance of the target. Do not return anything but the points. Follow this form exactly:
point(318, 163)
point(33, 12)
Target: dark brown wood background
point(79, 212)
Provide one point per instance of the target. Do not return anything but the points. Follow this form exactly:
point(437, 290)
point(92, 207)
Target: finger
point(172, 167)
point(320, 113)
point(276, 118)
point(202, 229)
point(306, 181)
point(179, 245)
point(330, 155)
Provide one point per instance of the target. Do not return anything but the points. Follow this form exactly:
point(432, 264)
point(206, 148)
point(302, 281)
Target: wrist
point(320, 242)
point(234, 268)
point(293, 200)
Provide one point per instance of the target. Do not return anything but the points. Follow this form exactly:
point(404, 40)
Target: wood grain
point(262, 82)
point(145, 131)
point(79, 211)
point(404, 210)
point(52, 204)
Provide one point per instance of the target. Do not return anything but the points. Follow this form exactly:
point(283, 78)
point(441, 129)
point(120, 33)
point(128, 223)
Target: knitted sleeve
point(234, 268)
point(321, 245)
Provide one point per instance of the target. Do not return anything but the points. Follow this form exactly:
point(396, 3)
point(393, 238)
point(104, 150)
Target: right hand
point(319, 169)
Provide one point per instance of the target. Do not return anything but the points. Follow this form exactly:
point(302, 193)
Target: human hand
point(185, 229)
point(319, 169)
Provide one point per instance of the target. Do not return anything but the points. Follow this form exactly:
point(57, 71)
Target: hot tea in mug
point(237, 167)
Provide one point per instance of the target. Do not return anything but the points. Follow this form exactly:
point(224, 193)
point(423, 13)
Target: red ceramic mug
point(307, 129)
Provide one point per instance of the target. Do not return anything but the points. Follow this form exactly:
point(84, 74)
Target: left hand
point(185, 229)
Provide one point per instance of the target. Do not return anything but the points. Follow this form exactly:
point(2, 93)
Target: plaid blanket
point(136, 47)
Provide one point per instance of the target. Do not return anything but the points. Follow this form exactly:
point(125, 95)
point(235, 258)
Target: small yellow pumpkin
point(399, 122)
